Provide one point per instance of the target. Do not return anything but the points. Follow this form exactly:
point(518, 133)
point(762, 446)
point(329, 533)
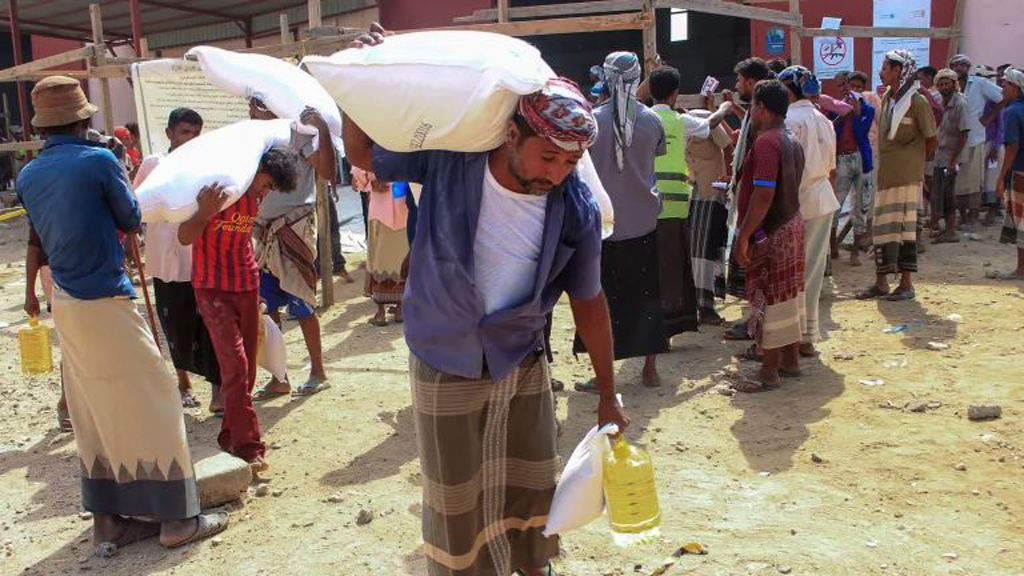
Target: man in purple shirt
point(500, 236)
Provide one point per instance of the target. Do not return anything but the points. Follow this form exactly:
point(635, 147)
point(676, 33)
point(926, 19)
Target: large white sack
point(272, 354)
point(452, 90)
point(282, 86)
point(229, 156)
point(588, 173)
point(579, 497)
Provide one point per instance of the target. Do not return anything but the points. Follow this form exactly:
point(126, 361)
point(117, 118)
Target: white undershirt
point(506, 253)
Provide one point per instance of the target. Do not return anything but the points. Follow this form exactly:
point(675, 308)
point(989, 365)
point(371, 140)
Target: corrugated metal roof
point(168, 22)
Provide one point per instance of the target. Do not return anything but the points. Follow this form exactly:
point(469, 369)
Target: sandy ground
point(896, 492)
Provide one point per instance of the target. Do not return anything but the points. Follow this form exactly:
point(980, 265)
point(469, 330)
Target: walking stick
point(133, 245)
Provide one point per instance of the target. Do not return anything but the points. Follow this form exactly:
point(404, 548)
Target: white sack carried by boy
point(272, 354)
point(440, 90)
point(579, 497)
point(284, 88)
point(229, 156)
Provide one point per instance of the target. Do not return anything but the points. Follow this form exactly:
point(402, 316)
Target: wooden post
point(503, 10)
point(286, 35)
point(133, 8)
point(144, 47)
point(100, 59)
point(323, 235)
point(7, 118)
point(796, 37)
point(650, 32)
point(315, 20)
point(957, 27)
point(26, 120)
point(248, 33)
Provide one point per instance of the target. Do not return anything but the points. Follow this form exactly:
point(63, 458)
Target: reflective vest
point(670, 169)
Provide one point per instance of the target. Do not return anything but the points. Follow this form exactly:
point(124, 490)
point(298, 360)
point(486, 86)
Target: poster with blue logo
point(776, 40)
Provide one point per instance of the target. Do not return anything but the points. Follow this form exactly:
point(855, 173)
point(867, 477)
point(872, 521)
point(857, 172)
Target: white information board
point(160, 86)
point(832, 56)
point(901, 14)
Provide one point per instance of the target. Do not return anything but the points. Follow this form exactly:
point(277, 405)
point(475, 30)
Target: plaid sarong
point(286, 247)
point(709, 220)
point(1013, 219)
point(489, 460)
point(775, 287)
point(895, 229)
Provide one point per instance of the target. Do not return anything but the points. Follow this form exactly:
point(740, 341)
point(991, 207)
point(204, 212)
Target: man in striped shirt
point(226, 281)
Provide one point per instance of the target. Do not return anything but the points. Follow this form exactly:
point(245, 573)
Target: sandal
point(709, 317)
point(737, 331)
point(557, 385)
point(550, 572)
point(753, 384)
point(206, 525)
point(872, 293)
point(901, 295)
point(265, 393)
point(64, 422)
point(380, 323)
point(590, 386)
point(790, 373)
point(190, 400)
point(946, 239)
point(135, 531)
point(310, 387)
point(750, 353)
point(1004, 275)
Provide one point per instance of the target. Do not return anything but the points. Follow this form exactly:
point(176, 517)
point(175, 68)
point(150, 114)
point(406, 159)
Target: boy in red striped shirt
point(226, 281)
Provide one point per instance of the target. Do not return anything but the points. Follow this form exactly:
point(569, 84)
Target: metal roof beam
point(189, 9)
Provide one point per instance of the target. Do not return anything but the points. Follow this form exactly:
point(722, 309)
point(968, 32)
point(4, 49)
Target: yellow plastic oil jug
point(633, 510)
point(36, 356)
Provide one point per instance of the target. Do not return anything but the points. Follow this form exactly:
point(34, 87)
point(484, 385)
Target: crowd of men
point(482, 255)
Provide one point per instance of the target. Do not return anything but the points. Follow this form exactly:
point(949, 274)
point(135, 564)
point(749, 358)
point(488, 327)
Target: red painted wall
point(410, 14)
point(853, 13)
point(43, 46)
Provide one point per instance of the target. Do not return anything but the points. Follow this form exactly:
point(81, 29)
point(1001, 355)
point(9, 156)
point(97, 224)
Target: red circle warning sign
point(832, 52)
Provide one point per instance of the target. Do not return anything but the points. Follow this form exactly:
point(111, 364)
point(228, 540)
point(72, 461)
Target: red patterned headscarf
point(560, 113)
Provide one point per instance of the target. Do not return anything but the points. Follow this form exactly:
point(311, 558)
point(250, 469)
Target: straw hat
point(58, 101)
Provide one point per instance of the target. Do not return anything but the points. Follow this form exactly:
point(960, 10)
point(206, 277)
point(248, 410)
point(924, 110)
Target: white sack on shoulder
point(588, 173)
point(579, 497)
point(285, 88)
point(229, 156)
point(439, 90)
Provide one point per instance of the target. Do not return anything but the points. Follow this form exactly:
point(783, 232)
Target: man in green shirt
point(678, 292)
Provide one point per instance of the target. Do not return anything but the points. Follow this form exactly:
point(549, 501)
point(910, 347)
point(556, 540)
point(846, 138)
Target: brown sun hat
point(58, 101)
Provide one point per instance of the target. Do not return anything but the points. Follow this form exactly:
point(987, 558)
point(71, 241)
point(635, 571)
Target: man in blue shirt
point(123, 401)
point(1013, 169)
point(500, 236)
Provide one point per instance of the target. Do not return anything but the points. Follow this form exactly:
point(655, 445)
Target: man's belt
point(672, 176)
point(675, 196)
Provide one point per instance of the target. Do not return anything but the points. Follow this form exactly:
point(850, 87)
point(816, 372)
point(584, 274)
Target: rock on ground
point(222, 478)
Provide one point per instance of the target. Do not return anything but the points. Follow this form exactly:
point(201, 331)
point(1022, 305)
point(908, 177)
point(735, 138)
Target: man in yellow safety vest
point(678, 294)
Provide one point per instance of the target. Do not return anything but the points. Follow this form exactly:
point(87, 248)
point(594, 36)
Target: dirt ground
point(895, 492)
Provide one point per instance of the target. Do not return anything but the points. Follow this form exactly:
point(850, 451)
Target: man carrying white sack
point(169, 265)
point(123, 402)
point(286, 247)
point(501, 235)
